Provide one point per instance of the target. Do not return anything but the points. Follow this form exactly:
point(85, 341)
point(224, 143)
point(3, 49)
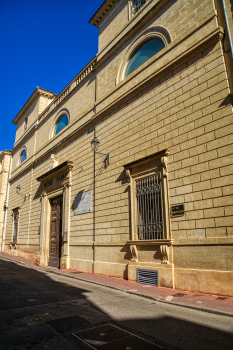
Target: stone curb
point(204, 309)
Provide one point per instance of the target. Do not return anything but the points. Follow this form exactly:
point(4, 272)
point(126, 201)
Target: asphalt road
point(43, 310)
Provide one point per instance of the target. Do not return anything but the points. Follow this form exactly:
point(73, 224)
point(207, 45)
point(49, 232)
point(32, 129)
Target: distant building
point(5, 168)
point(156, 203)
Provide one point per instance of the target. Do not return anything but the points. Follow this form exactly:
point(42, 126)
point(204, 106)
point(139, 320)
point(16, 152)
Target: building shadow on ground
point(27, 295)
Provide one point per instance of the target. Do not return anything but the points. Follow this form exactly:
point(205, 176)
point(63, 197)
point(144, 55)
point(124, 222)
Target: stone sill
point(151, 242)
point(150, 265)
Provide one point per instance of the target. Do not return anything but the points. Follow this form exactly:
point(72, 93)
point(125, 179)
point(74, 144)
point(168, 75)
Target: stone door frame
point(54, 183)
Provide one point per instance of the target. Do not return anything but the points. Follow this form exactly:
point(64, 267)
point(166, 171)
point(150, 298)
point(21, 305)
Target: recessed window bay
point(147, 50)
point(61, 124)
point(23, 156)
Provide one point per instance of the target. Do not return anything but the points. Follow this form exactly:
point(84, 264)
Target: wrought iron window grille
point(149, 210)
point(136, 5)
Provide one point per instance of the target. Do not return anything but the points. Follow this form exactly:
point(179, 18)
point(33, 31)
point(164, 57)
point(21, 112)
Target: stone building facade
point(5, 168)
point(164, 202)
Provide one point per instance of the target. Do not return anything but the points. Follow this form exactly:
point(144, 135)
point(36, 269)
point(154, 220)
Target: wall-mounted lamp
point(95, 146)
point(18, 189)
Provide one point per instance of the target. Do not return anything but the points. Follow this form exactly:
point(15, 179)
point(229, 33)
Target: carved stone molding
point(164, 252)
point(67, 185)
point(163, 243)
point(102, 12)
point(127, 172)
point(58, 177)
point(164, 162)
point(61, 96)
point(16, 212)
point(13, 246)
point(134, 253)
point(53, 162)
point(76, 81)
point(36, 94)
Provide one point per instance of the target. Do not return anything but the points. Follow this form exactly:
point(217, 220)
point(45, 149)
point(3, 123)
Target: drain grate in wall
point(150, 277)
point(38, 319)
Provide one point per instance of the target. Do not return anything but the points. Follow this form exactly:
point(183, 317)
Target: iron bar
point(149, 218)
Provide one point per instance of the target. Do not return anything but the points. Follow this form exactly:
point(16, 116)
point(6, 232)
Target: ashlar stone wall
point(180, 100)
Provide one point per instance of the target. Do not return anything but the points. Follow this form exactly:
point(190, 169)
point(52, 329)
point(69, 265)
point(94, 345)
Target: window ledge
point(163, 243)
point(151, 242)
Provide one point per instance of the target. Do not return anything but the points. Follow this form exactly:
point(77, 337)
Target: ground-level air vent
point(150, 277)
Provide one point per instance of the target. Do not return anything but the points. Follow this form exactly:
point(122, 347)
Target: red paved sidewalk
point(208, 303)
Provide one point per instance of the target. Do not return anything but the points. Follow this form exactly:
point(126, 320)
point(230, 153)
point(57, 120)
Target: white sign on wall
point(82, 203)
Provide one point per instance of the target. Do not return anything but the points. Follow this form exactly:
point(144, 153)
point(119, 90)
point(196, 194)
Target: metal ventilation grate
point(150, 277)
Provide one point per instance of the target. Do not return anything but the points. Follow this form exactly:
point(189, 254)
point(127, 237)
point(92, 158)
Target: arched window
point(147, 50)
point(23, 156)
point(61, 124)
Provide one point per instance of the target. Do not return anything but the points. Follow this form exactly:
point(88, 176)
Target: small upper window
point(147, 50)
point(23, 156)
point(136, 5)
point(61, 124)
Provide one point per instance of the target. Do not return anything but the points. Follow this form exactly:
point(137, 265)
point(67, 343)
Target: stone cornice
point(24, 168)
point(37, 93)
point(212, 38)
point(102, 56)
point(4, 153)
point(147, 158)
point(132, 27)
point(24, 137)
point(79, 78)
point(65, 93)
point(53, 172)
point(102, 12)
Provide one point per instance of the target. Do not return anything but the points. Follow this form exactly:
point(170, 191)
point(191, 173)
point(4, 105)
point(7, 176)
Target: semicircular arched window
point(61, 124)
point(23, 156)
point(147, 50)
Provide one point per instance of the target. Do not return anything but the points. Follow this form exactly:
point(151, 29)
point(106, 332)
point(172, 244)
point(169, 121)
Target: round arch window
point(23, 156)
point(147, 50)
point(61, 124)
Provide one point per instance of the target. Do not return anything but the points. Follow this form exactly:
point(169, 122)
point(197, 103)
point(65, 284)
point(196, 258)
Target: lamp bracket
point(106, 157)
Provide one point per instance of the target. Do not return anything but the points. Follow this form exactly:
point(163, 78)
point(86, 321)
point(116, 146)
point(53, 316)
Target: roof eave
point(37, 93)
point(102, 12)
point(6, 152)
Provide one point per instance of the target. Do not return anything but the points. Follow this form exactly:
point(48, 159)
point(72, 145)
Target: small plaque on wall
point(82, 203)
point(177, 210)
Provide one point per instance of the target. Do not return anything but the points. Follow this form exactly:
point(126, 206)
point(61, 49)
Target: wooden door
point(55, 242)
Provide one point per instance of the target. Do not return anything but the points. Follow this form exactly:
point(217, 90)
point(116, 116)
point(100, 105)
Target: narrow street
point(42, 310)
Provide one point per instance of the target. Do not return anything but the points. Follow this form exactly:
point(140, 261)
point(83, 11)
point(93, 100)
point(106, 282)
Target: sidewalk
point(208, 303)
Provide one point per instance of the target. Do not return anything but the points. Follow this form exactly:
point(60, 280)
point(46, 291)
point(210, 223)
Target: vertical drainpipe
point(4, 217)
point(93, 264)
point(227, 25)
point(93, 247)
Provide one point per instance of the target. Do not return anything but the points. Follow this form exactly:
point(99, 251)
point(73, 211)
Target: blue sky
point(43, 43)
